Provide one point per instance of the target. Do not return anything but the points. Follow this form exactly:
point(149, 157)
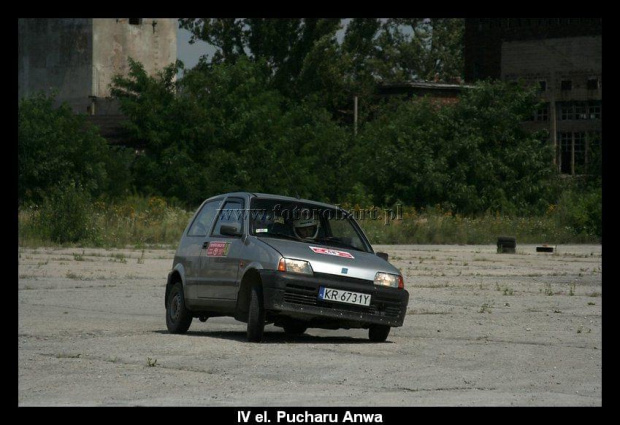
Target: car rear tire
point(256, 315)
point(178, 317)
point(378, 333)
point(294, 328)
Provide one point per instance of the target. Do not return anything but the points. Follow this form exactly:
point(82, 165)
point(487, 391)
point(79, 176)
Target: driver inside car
point(306, 228)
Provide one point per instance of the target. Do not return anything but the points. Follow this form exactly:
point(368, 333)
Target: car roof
point(275, 197)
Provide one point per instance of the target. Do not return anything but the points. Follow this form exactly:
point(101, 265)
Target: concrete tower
point(79, 57)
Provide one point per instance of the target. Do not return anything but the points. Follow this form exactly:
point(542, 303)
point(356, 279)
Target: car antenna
point(290, 180)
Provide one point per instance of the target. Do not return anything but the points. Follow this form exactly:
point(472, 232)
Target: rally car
point(294, 263)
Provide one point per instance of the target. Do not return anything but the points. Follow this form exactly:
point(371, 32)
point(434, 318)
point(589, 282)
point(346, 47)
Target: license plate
point(340, 296)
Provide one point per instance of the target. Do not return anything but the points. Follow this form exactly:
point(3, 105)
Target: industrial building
point(77, 58)
point(562, 57)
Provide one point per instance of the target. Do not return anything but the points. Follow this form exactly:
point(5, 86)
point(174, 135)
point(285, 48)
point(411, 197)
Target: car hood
point(333, 260)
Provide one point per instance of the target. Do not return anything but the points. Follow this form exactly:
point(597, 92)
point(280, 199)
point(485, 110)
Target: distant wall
point(153, 42)
point(56, 53)
point(552, 60)
point(79, 57)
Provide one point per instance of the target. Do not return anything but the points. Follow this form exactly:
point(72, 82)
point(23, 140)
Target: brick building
point(563, 58)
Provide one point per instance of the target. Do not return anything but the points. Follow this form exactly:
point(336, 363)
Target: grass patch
point(120, 257)
point(547, 289)
point(136, 221)
point(141, 222)
point(436, 226)
point(486, 308)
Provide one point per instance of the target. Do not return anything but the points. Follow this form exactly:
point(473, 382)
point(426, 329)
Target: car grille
point(308, 295)
point(299, 294)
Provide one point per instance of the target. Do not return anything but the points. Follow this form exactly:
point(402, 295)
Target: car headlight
point(388, 279)
point(294, 266)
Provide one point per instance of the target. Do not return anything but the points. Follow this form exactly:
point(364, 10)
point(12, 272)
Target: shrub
point(66, 215)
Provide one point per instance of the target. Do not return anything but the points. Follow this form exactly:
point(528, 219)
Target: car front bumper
point(296, 295)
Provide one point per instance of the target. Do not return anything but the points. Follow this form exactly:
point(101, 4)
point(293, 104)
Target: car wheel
point(378, 333)
point(178, 317)
point(294, 328)
point(256, 315)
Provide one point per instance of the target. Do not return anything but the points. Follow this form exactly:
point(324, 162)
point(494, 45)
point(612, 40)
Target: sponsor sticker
point(218, 249)
point(329, 251)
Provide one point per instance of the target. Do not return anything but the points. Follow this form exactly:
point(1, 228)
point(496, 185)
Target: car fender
point(255, 265)
point(180, 270)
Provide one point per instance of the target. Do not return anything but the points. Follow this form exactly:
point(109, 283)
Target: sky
point(190, 53)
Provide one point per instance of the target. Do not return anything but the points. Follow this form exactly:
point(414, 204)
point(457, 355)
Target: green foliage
point(133, 221)
point(272, 112)
point(152, 221)
point(56, 148)
point(418, 49)
point(438, 226)
point(226, 131)
point(66, 215)
point(470, 157)
point(581, 211)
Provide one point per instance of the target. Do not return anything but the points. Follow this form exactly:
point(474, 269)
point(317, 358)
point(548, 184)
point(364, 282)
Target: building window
point(594, 110)
point(579, 151)
point(542, 86)
point(575, 150)
point(566, 85)
point(565, 141)
point(581, 109)
point(135, 21)
point(592, 83)
point(566, 111)
point(542, 114)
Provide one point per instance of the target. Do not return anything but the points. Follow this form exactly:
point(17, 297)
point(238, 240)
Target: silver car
point(292, 262)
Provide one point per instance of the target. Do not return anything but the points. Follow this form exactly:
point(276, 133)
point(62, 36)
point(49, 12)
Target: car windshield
point(305, 223)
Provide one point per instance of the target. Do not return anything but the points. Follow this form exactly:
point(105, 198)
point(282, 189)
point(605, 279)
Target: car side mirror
point(383, 255)
point(230, 230)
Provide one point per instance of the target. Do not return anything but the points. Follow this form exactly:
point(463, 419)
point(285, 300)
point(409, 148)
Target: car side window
point(230, 214)
point(202, 223)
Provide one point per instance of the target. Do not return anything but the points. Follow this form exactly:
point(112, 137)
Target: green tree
point(419, 49)
point(56, 147)
point(283, 44)
point(470, 157)
point(222, 128)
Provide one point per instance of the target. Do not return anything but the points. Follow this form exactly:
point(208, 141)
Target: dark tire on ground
point(256, 315)
point(178, 317)
point(378, 333)
point(294, 328)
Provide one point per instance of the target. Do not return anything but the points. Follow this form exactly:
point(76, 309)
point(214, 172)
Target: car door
point(220, 260)
point(193, 245)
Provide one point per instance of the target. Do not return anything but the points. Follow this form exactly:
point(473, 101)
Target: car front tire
point(256, 315)
point(178, 317)
point(378, 333)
